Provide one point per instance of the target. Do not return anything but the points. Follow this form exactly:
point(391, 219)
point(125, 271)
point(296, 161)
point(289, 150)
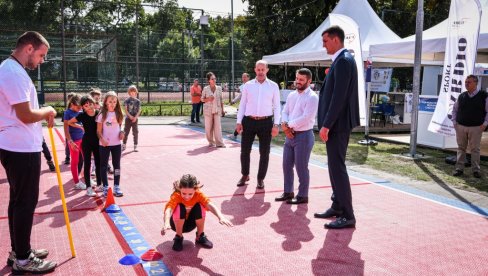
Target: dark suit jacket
point(338, 98)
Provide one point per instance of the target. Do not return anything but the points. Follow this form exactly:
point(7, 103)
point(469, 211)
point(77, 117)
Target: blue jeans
point(195, 112)
point(297, 153)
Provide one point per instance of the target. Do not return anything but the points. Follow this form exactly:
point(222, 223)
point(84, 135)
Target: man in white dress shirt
point(298, 118)
point(259, 114)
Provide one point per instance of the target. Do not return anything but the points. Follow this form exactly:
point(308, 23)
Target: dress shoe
point(477, 174)
point(260, 184)
point(243, 180)
point(328, 214)
point(340, 223)
point(285, 196)
point(297, 200)
point(457, 173)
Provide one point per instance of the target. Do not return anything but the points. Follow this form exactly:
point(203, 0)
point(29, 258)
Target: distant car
point(169, 86)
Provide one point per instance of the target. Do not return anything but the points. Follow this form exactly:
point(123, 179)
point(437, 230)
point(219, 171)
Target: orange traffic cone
point(110, 198)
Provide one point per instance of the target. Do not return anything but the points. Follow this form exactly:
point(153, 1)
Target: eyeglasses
point(213, 78)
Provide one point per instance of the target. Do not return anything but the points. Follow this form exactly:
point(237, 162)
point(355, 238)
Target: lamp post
point(203, 22)
point(416, 78)
point(232, 49)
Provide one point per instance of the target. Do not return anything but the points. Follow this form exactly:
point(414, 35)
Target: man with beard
point(259, 114)
point(298, 118)
point(20, 149)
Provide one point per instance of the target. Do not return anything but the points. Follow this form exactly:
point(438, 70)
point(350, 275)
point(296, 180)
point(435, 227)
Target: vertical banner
point(352, 42)
point(461, 44)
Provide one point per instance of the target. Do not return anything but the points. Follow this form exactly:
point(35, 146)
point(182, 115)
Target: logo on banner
point(459, 23)
point(350, 37)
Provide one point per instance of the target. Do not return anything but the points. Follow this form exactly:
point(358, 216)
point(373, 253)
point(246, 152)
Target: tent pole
point(286, 80)
point(366, 140)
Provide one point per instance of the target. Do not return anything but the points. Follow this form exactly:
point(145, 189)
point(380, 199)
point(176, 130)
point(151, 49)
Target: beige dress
point(212, 111)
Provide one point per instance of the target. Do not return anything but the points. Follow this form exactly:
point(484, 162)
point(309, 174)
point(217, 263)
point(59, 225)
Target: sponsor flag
point(461, 44)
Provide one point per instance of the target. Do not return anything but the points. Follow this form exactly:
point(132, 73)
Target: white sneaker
point(33, 265)
point(118, 192)
point(90, 192)
point(93, 183)
point(123, 147)
point(80, 186)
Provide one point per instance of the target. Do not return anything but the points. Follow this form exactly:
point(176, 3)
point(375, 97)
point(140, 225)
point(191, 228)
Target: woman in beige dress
point(213, 110)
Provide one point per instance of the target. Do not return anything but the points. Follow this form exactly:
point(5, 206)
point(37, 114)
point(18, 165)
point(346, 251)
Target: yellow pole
point(61, 191)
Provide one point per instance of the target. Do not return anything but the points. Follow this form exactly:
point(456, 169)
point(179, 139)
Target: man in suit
point(338, 114)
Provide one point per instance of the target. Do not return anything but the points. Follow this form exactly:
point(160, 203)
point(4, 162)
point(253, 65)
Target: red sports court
point(399, 231)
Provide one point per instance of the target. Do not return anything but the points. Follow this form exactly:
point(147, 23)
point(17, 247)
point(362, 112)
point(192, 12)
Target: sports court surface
point(399, 230)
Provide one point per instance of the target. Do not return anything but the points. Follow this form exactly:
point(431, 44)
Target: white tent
point(433, 45)
point(310, 50)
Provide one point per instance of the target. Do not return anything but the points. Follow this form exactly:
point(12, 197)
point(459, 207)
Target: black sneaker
point(477, 174)
point(38, 253)
point(51, 166)
point(67, 161)
point(34, 265)
point(457, 172)
point(203, 241)
point(178, 245)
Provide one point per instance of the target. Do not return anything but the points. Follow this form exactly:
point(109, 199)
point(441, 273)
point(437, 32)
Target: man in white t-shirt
point(20, 148)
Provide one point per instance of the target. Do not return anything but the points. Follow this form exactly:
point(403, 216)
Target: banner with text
point(352, 42)
point(381, 79)
point(461, 44)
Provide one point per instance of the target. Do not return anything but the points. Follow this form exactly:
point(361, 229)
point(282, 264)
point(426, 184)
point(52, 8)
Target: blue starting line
point(137, 243)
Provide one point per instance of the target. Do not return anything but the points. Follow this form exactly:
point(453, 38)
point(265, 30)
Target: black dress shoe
point(243, 180)
point(457, 173)
point(297, 200)
point(477, 174)
point(285, 196)
point(260, 184)
point(340, 223)
point(328, 214)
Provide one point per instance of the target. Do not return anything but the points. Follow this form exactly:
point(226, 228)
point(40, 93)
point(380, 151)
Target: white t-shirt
point(110, 129)
point(16, 87)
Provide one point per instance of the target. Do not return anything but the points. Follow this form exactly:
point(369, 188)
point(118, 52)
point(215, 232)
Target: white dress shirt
point(260, 99)
point(336, 54)
point(300, 109)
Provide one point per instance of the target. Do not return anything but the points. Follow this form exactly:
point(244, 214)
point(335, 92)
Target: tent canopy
point(310, 51)
point(433, 44)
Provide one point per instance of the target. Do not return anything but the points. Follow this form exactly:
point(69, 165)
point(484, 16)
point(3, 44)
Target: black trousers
point(261, 128)
point(88, 149)
point(105, 152)
point(339, 179)
point(190, 222)
point(23, 173)
point(45, 151)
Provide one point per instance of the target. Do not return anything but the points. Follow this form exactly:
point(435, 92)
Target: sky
point(215, 7)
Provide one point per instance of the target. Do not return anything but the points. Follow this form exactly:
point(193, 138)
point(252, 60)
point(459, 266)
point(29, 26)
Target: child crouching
point(186, 211)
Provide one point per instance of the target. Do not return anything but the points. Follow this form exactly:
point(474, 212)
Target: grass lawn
point(387, 157)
